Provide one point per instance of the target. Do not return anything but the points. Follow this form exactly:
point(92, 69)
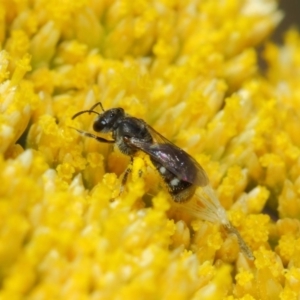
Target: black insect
point(180, 172)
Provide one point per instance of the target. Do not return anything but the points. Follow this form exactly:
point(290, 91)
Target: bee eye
point(98, 125)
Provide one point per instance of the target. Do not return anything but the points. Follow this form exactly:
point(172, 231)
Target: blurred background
point(291, 9)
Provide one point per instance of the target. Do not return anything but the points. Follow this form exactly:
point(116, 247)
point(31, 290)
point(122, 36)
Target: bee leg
point(125, 176)
point(98, 138)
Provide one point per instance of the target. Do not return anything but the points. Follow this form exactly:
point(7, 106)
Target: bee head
point(108, 119)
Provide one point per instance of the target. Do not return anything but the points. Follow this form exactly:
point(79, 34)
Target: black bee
point(180, 172)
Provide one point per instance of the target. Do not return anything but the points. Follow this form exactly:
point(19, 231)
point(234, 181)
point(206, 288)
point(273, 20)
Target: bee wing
point(174, 159)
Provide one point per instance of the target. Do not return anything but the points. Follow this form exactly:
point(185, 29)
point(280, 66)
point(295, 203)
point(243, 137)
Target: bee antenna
point(83, 112)
point(95, 105)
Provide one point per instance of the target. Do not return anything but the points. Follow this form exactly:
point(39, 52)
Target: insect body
point(182, 174)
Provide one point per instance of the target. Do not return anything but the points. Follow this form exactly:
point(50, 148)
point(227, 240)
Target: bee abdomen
point(180, 190)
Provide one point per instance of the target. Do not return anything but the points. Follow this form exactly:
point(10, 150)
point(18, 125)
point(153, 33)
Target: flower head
point(70, 228)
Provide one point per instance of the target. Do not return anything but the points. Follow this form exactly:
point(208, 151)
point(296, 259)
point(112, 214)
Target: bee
point(181, 173)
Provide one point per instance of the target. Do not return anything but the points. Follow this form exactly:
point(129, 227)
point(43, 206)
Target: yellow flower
point(70, 229)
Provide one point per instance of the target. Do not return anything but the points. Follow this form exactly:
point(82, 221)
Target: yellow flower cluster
point(188, 68)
